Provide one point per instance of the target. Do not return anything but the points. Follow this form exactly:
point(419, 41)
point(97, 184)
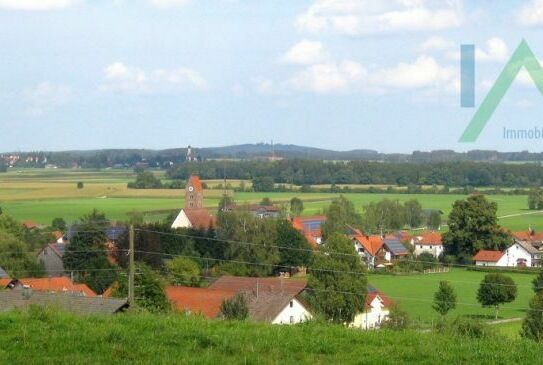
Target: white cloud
point(328, 77)
point(305, 53)
point(494, 50)
point(435, 43)
point(264, 85)
point(424, 72)
point(122, 78)
point(169, 3)
point(36, 5)
point(531, 14)
point(361, 17)
point(46, 96)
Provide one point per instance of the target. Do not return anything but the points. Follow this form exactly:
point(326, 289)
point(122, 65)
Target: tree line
point(311, 172)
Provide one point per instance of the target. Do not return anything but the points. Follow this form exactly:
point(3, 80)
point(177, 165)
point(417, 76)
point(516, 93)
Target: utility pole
point(131, 266)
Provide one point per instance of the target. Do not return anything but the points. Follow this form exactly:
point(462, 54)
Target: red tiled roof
point(195, 181)
point(206, 301)
point(372, 244)
point(312, 240)
point(56, 284)
point(430, 238)
point(528, 236)
point(200, 217)
point(243, 284)
point(488, 256)
point(58, 235)
point(372, 295)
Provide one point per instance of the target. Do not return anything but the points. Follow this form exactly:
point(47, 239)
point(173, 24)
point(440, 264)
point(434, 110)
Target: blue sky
point(339, 74)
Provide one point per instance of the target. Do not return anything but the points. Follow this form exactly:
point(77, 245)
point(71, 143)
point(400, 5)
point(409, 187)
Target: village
point(277, 299)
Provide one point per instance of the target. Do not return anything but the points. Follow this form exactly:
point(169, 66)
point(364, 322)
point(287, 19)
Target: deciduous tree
point(496, 289)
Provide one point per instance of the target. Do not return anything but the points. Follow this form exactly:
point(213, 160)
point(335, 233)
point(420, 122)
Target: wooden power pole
point(131, 267)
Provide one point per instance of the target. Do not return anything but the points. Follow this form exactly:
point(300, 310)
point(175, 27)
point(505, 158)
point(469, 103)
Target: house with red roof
point(430, 242)
point(371, 248)
point(519, 254)
point(270, 300)
point(311, 228)
point(377, 310)
point(530, 236)
point(50, 285)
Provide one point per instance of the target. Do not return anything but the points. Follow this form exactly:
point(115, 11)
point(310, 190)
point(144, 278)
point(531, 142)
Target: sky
point(337, 74)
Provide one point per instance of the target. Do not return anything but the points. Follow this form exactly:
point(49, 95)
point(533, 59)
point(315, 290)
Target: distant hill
point(130, 157)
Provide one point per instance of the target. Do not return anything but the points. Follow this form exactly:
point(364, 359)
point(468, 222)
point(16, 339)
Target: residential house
point(430, 242)
point(519, 254)
point(203, 301)
point(530, 236)
point(394, 249)
point(24, 297)
point(377, 310)
point(49, 285)
point(51, 256)
point(271, 300)
point(488, 258)
point(311, 228)
point(371, 249)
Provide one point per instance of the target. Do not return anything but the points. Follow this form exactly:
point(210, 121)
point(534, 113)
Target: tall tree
point(532, 327)
point(473, 226)
point(496, 289)
point(148, 289)
point(296, 206)
point(59, 224)
point(339, 214)
point(413, 213)
point(535, 198)
point(183, 271)
point(338, 283)
point(537, 283)
point(295, 251)
point(87, 256)
point(249, 241)
point(383, 216)
point(433, 221)
point(444, 298)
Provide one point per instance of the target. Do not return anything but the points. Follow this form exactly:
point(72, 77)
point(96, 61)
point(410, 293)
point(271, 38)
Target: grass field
point(415, 293)
point(41, 195)
point(48, 338)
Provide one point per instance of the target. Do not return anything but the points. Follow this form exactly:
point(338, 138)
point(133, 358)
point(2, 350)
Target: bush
point(398, 319)
point(468, 327)
point(235, 308)
point(80, 185)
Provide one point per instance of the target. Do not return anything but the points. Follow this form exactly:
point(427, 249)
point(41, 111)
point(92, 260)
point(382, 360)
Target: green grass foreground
point(42, 337)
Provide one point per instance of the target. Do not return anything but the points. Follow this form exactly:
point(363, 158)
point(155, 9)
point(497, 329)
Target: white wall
point(182, 221)
point(373, 317)
point(513, 254)
point(435, 250)
point(293, 314)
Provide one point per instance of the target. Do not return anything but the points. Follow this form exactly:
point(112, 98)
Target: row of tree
point(311, 172)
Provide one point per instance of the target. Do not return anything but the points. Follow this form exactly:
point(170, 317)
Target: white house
point(278, 308)
point(193, 218)
point(428, 242)
point(376, 312)
point(519, 254)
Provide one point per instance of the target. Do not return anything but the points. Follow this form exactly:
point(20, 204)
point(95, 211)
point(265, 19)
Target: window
point(291, 319)
point(291, 303)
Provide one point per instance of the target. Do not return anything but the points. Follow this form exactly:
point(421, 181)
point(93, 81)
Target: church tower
point(194, 193)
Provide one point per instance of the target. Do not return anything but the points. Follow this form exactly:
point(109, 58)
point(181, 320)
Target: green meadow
point(45, 337)
point(43, 194)
point(415, 294)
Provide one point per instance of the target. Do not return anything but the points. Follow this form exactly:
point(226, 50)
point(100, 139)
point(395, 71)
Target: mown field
point(42, 337)
point(415, 294)
point(41, 195)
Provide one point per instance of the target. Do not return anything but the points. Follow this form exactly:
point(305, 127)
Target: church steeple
point(194, 193)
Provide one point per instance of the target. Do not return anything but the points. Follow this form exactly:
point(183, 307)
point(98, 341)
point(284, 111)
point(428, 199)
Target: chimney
point(27, 292)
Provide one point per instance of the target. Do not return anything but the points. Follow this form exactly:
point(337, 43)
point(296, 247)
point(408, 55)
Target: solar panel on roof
point(313, 225)
point(395, 246)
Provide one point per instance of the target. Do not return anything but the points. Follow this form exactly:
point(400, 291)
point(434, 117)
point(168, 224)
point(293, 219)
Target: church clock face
point(191, 188)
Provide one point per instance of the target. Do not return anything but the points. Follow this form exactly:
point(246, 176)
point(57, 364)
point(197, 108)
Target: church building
point(194, 215)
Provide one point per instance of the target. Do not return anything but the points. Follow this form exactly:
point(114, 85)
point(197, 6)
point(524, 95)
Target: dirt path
point(508, 320)
point(520, 214)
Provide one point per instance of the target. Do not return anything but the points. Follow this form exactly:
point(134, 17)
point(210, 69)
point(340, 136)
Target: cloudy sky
point(341, 74)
